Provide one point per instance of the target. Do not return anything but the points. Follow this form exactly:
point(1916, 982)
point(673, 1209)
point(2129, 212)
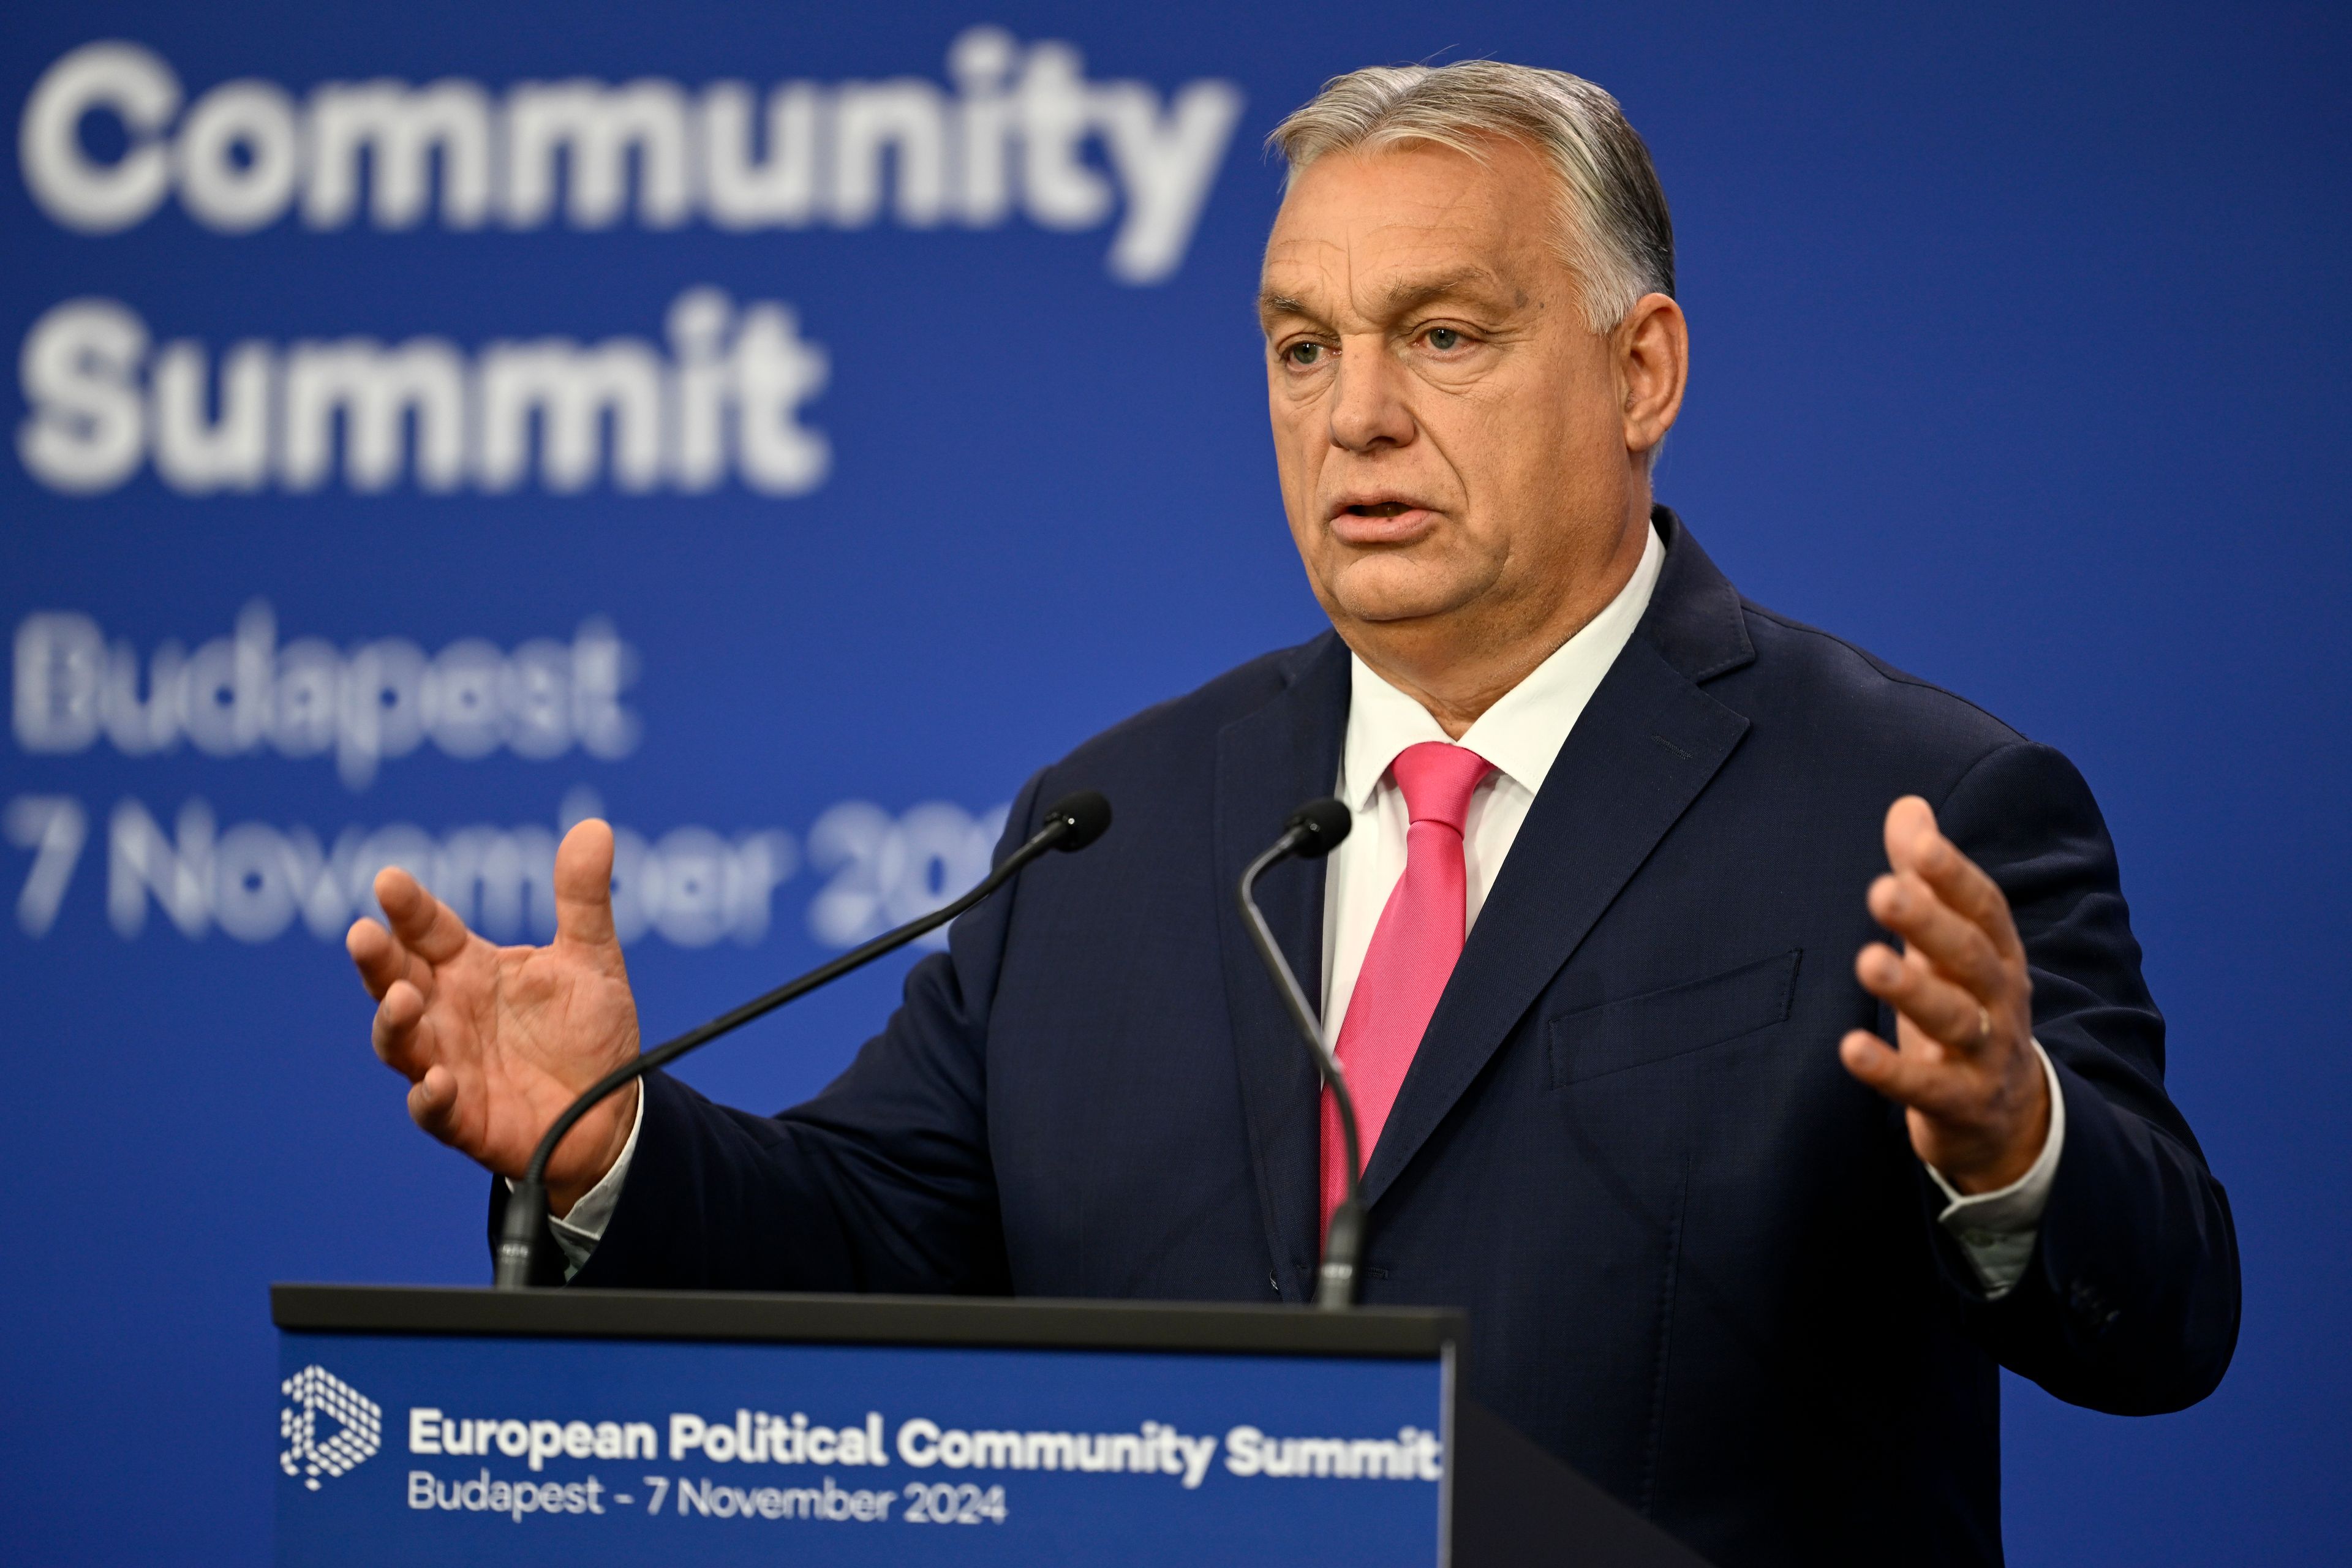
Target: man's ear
point(1653, 367)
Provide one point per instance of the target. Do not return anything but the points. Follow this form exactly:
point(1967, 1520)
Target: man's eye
point(1304, 355)
point(1445, 340)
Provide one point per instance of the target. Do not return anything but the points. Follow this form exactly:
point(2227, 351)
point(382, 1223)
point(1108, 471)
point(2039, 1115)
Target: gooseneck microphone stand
point(1313, 831)
point(1071, 824)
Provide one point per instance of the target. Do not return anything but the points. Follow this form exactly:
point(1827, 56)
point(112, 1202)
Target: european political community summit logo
point(356, 1420)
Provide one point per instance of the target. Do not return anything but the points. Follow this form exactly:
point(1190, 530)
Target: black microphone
point(1071, 823)
point(1313, 831)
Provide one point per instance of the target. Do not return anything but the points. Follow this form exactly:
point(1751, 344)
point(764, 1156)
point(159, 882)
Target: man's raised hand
point(1964, 1068)
point(496, 1041)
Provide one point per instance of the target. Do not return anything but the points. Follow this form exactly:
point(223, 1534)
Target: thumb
point(583, 887)
point(1900, 1079)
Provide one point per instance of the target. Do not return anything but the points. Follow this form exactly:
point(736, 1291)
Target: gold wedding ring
point(1984, 1025)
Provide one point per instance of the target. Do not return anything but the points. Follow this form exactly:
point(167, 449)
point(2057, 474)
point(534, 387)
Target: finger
point(584, 887)
point(1907, 820)
point(426, 926)
point(1910, 985)
point(433, 1103)
point(1904, 904)
point(378, 955)
point(399, 1035)
point(1914, 843)
point(1906, 1080)
point(1964, 885)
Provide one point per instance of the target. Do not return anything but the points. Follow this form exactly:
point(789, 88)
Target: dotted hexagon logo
point(357, 1422)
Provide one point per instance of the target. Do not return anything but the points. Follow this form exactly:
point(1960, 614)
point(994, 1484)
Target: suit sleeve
point(2129, 1303)
point(881, 1182)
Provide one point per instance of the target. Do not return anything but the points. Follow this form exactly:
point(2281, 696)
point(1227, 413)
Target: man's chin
point(1399, 613)
point(1394, 590)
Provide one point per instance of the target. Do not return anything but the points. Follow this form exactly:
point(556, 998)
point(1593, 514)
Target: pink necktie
point(1413, 951)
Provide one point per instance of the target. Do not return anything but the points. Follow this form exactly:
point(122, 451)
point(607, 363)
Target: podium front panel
point(604, 1445)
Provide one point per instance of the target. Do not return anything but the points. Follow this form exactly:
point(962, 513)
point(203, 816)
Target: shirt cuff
point(577, 1233)
point(1996, 1230)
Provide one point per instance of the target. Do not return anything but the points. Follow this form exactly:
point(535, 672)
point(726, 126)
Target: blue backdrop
point(783, 428)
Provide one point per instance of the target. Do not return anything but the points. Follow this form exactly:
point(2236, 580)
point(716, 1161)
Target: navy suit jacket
point(1701, 1263)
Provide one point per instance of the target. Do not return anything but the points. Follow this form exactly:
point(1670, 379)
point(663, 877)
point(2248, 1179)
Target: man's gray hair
point(1615, 233)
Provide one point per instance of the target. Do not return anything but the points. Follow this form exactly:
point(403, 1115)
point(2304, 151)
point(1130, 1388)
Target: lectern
point(583, 1428)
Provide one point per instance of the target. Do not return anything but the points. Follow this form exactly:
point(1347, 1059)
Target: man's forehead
point(1371, 232)
point(1388, 230)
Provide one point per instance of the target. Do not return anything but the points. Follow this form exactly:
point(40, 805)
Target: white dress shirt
point(1521, 735)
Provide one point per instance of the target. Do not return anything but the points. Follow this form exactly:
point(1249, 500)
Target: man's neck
point(1459, 667)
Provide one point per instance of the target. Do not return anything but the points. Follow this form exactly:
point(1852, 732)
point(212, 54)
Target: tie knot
point(1438, 780)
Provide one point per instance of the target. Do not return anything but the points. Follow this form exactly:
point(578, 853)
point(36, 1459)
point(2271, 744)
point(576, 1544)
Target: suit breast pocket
point(1659, 1026)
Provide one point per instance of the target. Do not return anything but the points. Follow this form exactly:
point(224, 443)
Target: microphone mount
point(1313, 831)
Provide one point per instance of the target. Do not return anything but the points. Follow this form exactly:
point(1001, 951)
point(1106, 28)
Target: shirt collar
point(1522, 733)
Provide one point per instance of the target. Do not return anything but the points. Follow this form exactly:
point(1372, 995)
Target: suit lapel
point(1645, 746)
point(1268, 764)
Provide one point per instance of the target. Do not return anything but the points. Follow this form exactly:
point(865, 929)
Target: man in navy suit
point(1746, 1204)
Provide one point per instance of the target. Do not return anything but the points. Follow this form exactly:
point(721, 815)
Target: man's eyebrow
point(1403, 295)
point(1409, 293)
point(1271, 304)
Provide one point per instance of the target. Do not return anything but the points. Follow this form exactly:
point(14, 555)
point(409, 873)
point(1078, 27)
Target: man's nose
point(1368, 404)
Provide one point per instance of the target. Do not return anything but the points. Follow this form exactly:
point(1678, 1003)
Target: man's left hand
point(1966, 1071)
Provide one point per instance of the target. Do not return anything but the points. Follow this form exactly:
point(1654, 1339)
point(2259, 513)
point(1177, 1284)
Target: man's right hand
point(496, 1041)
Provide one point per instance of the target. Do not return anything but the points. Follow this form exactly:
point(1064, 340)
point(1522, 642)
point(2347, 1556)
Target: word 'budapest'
point(247, 692)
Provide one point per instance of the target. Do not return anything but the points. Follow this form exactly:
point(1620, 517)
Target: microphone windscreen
point(1326, 823)
point(1087, 816)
